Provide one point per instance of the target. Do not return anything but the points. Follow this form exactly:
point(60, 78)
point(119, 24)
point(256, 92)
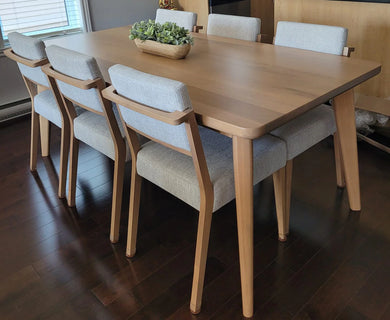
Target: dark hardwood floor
point(58, 263)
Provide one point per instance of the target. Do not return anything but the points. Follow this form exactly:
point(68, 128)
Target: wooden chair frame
point(205, 185)
point(41, 126)
point(197, 28)
point(283, 179)
point(119, 142)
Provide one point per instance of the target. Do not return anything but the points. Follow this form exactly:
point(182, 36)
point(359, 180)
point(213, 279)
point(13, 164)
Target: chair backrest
point(155, 92)
point(314, 37)
point(31, 49)
point(236, 27)
point(79, 67)
point(183, 19)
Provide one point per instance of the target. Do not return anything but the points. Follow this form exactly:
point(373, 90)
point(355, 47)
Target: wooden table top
point(237, 87)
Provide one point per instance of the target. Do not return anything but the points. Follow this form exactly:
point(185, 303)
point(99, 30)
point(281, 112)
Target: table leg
point(346, 128)
point(243, 177)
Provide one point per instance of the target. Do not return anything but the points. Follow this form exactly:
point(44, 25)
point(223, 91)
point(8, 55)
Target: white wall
point(104, 14)
point(12, 87)
point(115, 13)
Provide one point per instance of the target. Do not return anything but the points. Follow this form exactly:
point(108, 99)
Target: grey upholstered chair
point(30, 55)
point(236, 27)
point(193, 163)
point(184, 19)
point(80, 83)
point(315, 125)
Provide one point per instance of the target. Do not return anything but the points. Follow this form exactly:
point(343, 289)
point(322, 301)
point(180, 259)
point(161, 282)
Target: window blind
point(39, 16)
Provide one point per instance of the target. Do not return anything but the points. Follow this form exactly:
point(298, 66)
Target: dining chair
point(191, 162)
point(315, 125)
point(184, 19)
point(80, 83)
point(236, 27)
point(30, 55)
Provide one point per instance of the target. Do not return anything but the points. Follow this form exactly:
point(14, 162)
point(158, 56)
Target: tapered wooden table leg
point(243, 177)
point(346, 128)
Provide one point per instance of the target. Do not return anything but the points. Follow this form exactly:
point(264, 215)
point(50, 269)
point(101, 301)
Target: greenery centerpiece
point(168, 39)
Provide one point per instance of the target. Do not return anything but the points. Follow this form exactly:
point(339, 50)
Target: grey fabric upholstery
point(243, 28)
point(183, 19)
point(79, 66)
point(314, 37)
point(27, 47)
point(34, 74)
point(32, 49)
point(93, 130)
point(175, 172)
point(307, 130)
point(46, 105)
point(89, 127)
point(160, 93)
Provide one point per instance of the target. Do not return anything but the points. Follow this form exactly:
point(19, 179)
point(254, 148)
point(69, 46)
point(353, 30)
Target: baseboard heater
point(15, 110)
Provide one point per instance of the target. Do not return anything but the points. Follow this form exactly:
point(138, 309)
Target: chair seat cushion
point(92, 129)
point(307, 130)
point(175, 172)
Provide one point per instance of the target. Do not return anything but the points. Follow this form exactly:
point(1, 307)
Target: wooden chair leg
point(282, 188)
point(64, 154)
point(117, 193)
point(289, 169)
point(34, 140)
point(339, 162)
point(279, 178)
point(45, 130)
point(135, 194)
point(202, 243)
point(45, 136)
point(73, 160)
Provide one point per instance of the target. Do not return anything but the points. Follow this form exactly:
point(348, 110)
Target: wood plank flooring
point(58, 263)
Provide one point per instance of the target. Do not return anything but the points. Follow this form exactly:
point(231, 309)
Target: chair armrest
point(173, 118)
point(29, 63)
point(197, 28)
point(347, 51)
point(82, 84)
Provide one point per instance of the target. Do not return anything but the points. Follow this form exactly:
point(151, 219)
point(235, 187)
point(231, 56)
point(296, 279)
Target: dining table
point(244, 90)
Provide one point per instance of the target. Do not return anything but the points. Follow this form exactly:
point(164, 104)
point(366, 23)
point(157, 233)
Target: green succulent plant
point(169, 32)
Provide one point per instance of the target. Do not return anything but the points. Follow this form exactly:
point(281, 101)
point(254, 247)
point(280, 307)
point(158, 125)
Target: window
point(41, 17)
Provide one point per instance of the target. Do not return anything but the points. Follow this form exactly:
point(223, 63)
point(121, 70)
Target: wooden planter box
point(162, 49)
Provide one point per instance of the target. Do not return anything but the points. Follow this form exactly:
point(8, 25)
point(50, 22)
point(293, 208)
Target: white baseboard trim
point(15, 111)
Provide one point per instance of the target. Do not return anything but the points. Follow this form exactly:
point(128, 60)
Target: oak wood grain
point(237, 87)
